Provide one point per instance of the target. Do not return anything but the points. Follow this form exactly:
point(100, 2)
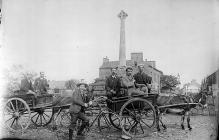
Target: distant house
point(136, 58)
point(212, 82)
point(56, 86)
point(192, 87)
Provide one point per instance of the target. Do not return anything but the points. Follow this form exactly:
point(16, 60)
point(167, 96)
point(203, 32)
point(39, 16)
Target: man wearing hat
point(41, 84)
point(112, 84)
point(80, 101)
point(143, 81)
point(128, 82)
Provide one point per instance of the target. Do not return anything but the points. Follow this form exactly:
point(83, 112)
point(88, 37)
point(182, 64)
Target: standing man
point(26, 85)
point(128, 82)
point(77, 109)
point(112, 84)
point(143, 81)
point(41, 84)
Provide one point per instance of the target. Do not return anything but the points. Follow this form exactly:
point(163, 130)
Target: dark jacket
point(78, 101)
point(113, 83)
point(41, 85)
point(142, 78)
point(26, 85)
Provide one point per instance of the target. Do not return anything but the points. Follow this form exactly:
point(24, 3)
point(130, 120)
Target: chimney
point(105, 59)
point(137, 57)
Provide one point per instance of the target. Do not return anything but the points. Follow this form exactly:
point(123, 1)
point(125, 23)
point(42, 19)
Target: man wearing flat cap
point(112, 85)
point(80, 100)
point(128, 82)
point(143, 81)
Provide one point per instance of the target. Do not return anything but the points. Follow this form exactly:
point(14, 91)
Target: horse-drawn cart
point(136, 116)
point(20, 110)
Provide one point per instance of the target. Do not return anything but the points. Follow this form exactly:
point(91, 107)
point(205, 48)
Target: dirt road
point(203, 129)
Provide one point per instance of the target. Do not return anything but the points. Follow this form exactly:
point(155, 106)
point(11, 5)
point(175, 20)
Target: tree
point(12, 77)
point(169, 82)
point(71, 84)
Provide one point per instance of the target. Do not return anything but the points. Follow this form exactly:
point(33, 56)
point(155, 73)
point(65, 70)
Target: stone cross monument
point(122, 49)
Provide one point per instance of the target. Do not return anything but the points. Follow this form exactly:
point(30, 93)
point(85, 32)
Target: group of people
point(137, 84)
point(40, 85)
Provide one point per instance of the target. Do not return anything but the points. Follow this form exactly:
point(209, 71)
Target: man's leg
point(137, 92)
point(85, 122)
point(74, 117)
point(109, 95)
point(144, 89)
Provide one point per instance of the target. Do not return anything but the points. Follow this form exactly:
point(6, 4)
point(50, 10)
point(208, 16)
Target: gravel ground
point(203, 129)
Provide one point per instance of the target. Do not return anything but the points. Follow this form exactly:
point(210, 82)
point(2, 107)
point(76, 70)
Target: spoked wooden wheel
point(104, 123)
point(42, 116)
point(115, 121)
point(137, 117)
point(16, 114)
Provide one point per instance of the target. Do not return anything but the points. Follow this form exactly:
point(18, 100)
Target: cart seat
point(44, 99)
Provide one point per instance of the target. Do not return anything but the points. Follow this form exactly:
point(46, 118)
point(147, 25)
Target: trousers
point(74, 117)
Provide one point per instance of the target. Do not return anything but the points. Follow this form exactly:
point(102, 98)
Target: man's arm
point(35, 84)
point(107, 84)
point(31, 86)
point(126, 83)
point(46, 84)
point(118, 84)
point(75, 100)
point(24, 85)
point(149, 79)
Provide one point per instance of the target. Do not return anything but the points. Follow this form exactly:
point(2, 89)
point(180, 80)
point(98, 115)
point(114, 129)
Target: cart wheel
point(137, 117)
point(115, 121)
point(104, 122)
point(42, 116)
point(16, 114)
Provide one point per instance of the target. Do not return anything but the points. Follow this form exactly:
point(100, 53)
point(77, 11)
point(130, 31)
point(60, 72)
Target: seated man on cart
point(143, 81)
point(41, 84)
point(112, 85)
point(26, 88)
point(128, 82)
point(26, 85)
point(80, 100)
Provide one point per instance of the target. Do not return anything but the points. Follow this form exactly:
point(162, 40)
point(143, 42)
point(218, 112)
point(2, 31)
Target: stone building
point(191, 88)
point(122, 63)
point(212, 82)
point(136, 58)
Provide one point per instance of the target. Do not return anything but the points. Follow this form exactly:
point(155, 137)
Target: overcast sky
point(69, 38)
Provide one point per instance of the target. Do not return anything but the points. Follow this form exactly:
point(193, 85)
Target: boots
point(70, 134)
point(83, 126)
point(79, 133)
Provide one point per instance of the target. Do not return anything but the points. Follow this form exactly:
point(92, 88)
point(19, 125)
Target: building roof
point(111, 64)
point(156, 69)
point(192, 84)
point(57, 84)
